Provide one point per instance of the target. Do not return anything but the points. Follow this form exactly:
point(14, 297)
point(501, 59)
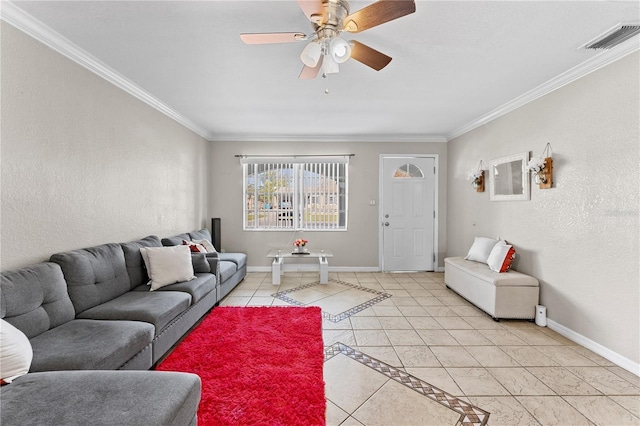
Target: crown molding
point(36, 29)
point(383, 138)
point(24, 22)
point(593, 64)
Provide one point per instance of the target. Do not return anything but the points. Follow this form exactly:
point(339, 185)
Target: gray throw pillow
point(200, 264)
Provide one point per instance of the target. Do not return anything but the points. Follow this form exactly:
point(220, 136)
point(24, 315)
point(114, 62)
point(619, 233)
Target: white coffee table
point(279, 256)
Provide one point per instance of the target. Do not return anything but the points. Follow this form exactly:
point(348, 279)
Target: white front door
point(408, 213)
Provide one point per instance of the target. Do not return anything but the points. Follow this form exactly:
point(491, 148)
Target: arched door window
point(408, 171)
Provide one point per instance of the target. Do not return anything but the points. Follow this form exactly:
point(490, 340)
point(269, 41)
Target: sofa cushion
point(74, 398)
point(176, 240)
point(90, 345)
point(34, 299)
point(157, 307)
point(240, 259)
point(94, 275)
point(201, 234)
point(133, 259)
point(227, 269)
point(202, 285)
point(15, 352)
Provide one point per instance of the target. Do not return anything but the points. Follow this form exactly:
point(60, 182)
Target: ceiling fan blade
point(266, 38)
point(313, 10)
point(368, 56)
point(378, 13)
point(309, 73)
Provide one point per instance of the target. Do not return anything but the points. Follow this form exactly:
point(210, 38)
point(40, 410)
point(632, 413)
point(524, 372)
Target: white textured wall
point(84, 163)
point(357, 247)
point(580, 238)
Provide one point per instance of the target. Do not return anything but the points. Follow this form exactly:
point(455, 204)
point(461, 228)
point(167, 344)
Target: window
point(288, 193)
point(408, 171)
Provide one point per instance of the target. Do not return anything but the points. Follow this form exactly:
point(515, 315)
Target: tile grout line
point(470, 414)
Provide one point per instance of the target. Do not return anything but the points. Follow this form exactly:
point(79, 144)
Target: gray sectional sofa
point(91, 310)
point(232, 267)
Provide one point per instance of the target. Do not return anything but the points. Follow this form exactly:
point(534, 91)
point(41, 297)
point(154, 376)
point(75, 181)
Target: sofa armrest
point(214, 263)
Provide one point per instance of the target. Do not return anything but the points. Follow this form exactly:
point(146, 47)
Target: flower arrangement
point(536, 165)
point(300, 242)
point(475, 176)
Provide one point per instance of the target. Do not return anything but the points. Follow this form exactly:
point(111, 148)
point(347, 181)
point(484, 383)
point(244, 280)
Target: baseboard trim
point(604, 352)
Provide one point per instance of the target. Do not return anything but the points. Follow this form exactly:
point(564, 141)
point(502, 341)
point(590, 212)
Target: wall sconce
point(542, 168)
point(477, 178)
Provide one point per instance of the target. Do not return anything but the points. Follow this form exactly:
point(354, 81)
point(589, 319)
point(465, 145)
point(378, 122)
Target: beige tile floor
point(520, 373)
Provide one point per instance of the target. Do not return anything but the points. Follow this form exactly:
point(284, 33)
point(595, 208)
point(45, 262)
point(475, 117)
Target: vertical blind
point(298, 193)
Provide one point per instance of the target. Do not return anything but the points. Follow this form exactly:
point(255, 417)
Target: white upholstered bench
point(502, 295)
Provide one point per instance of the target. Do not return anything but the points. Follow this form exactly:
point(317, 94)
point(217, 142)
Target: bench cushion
point(482, 272)
point(501, 295)
point(73, 398)
point(90, 345)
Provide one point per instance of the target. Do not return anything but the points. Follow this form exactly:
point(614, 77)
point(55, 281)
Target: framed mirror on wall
point(508, 178)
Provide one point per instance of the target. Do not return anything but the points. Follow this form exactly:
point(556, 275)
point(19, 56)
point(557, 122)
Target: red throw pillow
point(501, 257)
point(195, 248)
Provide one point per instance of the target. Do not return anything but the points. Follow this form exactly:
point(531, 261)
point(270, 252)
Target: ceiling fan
point(329, 18)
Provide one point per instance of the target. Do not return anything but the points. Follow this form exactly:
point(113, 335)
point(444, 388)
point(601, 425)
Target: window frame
point(304, 173)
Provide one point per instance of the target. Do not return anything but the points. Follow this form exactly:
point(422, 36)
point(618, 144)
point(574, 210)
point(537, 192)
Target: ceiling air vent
point(614, 37)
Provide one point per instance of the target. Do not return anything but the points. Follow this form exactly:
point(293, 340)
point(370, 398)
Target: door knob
point(386, 224)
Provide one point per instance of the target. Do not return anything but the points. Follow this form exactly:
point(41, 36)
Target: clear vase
point(539, 178)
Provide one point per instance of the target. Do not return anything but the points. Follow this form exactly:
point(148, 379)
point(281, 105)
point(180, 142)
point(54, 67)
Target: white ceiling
point(455, 63)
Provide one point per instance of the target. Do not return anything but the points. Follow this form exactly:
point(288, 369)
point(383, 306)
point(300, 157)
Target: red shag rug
point(259, 366)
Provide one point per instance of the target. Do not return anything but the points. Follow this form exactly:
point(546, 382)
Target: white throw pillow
point(481, 248)
point(167, 265)
point(501, 257)
point(16, 353)
point(207, 245)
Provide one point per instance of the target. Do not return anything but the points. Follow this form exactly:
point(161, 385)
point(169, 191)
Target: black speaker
point(216, 233)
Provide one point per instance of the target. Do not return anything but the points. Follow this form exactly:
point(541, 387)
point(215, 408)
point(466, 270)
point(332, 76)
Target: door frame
point(436, 221)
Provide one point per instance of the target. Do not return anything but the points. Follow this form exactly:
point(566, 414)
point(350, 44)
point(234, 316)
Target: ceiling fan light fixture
point(311, 54)
point(340, 50)
point(329, 66)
